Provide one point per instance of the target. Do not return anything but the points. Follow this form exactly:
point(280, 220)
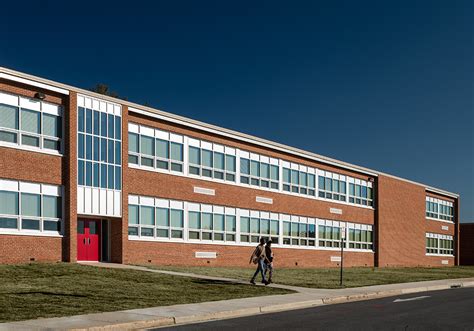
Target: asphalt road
point(439, 310)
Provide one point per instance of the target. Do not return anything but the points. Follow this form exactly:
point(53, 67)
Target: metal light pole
point(343, 236)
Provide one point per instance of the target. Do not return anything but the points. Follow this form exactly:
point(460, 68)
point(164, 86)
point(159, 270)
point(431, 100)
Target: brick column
point(70, 182)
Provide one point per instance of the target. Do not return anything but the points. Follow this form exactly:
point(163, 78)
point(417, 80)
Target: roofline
point(149, 111)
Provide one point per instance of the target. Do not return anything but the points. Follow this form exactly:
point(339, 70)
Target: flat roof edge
point(61, 88)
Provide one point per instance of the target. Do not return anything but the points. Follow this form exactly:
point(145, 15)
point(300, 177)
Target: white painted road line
point(412, 299)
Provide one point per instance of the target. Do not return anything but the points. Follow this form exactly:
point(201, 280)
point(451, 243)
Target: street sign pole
point(343, 236)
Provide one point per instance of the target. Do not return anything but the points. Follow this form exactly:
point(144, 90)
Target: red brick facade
point(467, 244)
point(398, 219)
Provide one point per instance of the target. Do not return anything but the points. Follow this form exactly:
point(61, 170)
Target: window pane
point(328, 184)
point(96, 148)
point(286, 228)
point(162, 233)
point(118, 178)
point(110, 151)
point(9, 203)
point(274, 227)
point(176, 218)
point(254, 168)
point(27, 224)
point(147, 216)
point(194, 155)
point(51, 125)
point(118, 152)
point(8, 223)
point(265, 226)
point(244, 224)
point(219, 161)
point(311, 181)
point(146, 145)
point(30, 121)
point(230, 223)
point(88, 147)
point(8, 136)
point(218, 222)
point(80, 172)
point(245, 166)
point(80, 146)
point(103, 149)
point(303, 179)
point(118, 128)
point(110, 181)
point(89, 120)
point(176, 152)
point(110, 125)
point(133, 142)
point(51, 226)
point(132, 214)
point(265, 170)
point(274, 172)
point(162, 149)
point(51, 206)
point(254, 225)
point(286, 175)
point(103, 175)
point(207, 158)
point(30, 204)
point(96, 121)
point(194, 220)
point(294, 229)
point(162, 217)
point(230, 163)
point(206, 221)
point(103, 124)
point(80, 119)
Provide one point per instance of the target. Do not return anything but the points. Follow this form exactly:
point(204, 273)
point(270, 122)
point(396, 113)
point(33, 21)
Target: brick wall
point(467, 244)
point(22, 249)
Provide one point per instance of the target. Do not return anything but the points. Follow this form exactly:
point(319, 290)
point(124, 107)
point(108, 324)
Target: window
point(360, 192)
point(301, 182)
point(211, 164)
point(156, 219)
point(28, 212)
point(155, 149)
point(259, 173)
point(331, 186)
point(439, 244)
point(298, 231)
point(360, 237)
point(329, 235)
point(256, 225)
point(99, 147)
point(439, 209)
point(30, 122)
point(210, 223)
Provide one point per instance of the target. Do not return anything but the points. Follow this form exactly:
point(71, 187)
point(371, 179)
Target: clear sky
point(382, 84)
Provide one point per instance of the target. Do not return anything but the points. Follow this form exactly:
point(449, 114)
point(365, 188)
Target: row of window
point(29, 212)
point(439, 244)
point(29, 122)
point(439, 209)
point(161, 219)
point(155, 153)
point(159, 150)
point(95, 174)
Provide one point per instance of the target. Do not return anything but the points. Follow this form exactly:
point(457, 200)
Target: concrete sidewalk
point(199, 312)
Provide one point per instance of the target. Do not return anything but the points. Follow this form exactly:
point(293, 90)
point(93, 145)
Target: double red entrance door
point(88, 240)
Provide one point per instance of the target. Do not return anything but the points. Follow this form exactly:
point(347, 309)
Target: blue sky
point(387, 85)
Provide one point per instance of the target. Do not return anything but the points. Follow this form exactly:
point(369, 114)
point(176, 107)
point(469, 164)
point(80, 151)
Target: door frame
point(104, 237)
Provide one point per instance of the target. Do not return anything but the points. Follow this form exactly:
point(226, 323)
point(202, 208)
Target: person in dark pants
point(258, 258)
point(269, 261)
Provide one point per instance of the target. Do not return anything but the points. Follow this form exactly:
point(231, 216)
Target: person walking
point(258, 258)
point(269, 261)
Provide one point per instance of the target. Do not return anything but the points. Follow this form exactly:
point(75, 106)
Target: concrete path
point(190, 313)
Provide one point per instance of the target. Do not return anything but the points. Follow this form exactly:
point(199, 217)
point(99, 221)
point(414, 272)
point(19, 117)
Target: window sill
point(438, 220)
point(30, 233)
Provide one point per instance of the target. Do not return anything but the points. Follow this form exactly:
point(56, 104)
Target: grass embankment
point(62, 289)
point(329, 278)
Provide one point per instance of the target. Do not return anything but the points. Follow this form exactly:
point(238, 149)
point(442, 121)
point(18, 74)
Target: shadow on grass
point(48, 294)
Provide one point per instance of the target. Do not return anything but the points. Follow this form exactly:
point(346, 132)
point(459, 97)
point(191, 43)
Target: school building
point(87, 177)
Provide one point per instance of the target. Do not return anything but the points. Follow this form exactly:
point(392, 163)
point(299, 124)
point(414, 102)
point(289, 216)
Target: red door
point(88, 240)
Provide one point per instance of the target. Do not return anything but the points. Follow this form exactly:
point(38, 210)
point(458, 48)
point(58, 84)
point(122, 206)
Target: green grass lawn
point(62, 289)
point(329, 278)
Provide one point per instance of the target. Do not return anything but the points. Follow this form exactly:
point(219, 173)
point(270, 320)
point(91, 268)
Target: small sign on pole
point(343, 236)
